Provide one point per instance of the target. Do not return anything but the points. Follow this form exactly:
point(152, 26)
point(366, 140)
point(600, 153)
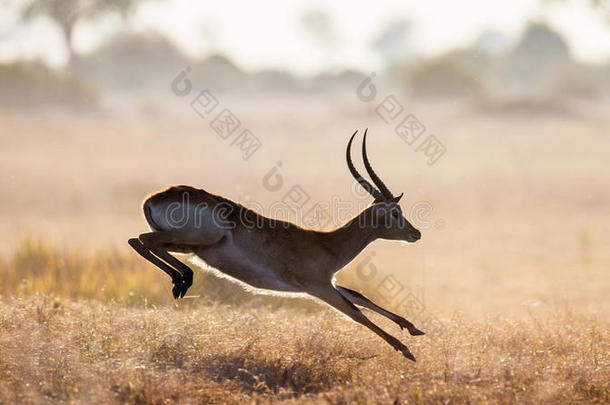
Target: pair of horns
point(381, 193)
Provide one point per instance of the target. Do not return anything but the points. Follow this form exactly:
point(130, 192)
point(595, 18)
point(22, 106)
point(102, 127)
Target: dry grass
point(101, 327)
point(118, 276)
point(39, 267)
point(56, 350)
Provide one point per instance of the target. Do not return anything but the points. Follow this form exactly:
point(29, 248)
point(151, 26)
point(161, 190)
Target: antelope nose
point(416, 235)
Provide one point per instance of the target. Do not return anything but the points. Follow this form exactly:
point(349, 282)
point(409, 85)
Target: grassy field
point(56, 350)
point(102, 327)
point(510, 279)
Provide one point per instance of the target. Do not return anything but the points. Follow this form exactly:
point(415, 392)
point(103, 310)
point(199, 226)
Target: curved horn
point(361, 180)
point(382, 187)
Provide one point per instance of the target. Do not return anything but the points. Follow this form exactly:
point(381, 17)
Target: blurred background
point(492, 117)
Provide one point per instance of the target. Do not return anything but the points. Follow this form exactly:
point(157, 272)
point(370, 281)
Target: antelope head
point(384, 217)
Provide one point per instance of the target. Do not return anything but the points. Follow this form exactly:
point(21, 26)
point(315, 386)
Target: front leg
point(359, 299)
point(332, 297)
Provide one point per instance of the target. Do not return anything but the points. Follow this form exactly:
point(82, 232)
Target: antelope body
point(270, 254)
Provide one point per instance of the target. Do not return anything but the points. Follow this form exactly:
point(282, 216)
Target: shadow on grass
point(273, 376)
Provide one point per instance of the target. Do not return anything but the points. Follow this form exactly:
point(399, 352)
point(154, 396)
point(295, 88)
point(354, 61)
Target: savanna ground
point(510, 279)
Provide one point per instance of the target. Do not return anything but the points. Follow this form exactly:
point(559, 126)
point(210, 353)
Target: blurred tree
point(492, 42)
point(539, 64)
point(318, 25)
point(394, 43)
point(66, 13)
point(132, 62)
point(449, 76)
point(542, 44)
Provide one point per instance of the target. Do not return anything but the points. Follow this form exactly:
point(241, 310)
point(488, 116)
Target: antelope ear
point(397, 199)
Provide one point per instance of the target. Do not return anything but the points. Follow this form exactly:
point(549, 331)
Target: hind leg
point(177, 279)
point(162, 242)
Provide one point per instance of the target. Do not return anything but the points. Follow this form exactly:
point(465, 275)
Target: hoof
point(404, 324)
point(180, 288)
point(398, 346)
point(416, 332)
point(405, 352)
point(176, 290)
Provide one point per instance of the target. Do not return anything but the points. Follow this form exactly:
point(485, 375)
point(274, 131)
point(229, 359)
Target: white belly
point(257, 280)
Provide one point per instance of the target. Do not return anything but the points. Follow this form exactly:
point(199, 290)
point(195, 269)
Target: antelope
point(269, 254)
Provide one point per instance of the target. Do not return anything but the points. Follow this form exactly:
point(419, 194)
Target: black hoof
point(404, 324)
point(176, 290)
point(405, 352)
point(416, 332)
point(183, 289)
point(398, 346)
point(180, 287)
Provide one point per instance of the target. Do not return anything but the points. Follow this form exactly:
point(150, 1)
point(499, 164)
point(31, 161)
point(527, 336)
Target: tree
point(66, 13)
point(394, 43)
point(318, 25)
point(541, 44)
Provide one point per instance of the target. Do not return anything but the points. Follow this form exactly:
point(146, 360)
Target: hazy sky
point(269, 33)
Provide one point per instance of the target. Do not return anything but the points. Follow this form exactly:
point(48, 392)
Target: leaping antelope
point(270, 254)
